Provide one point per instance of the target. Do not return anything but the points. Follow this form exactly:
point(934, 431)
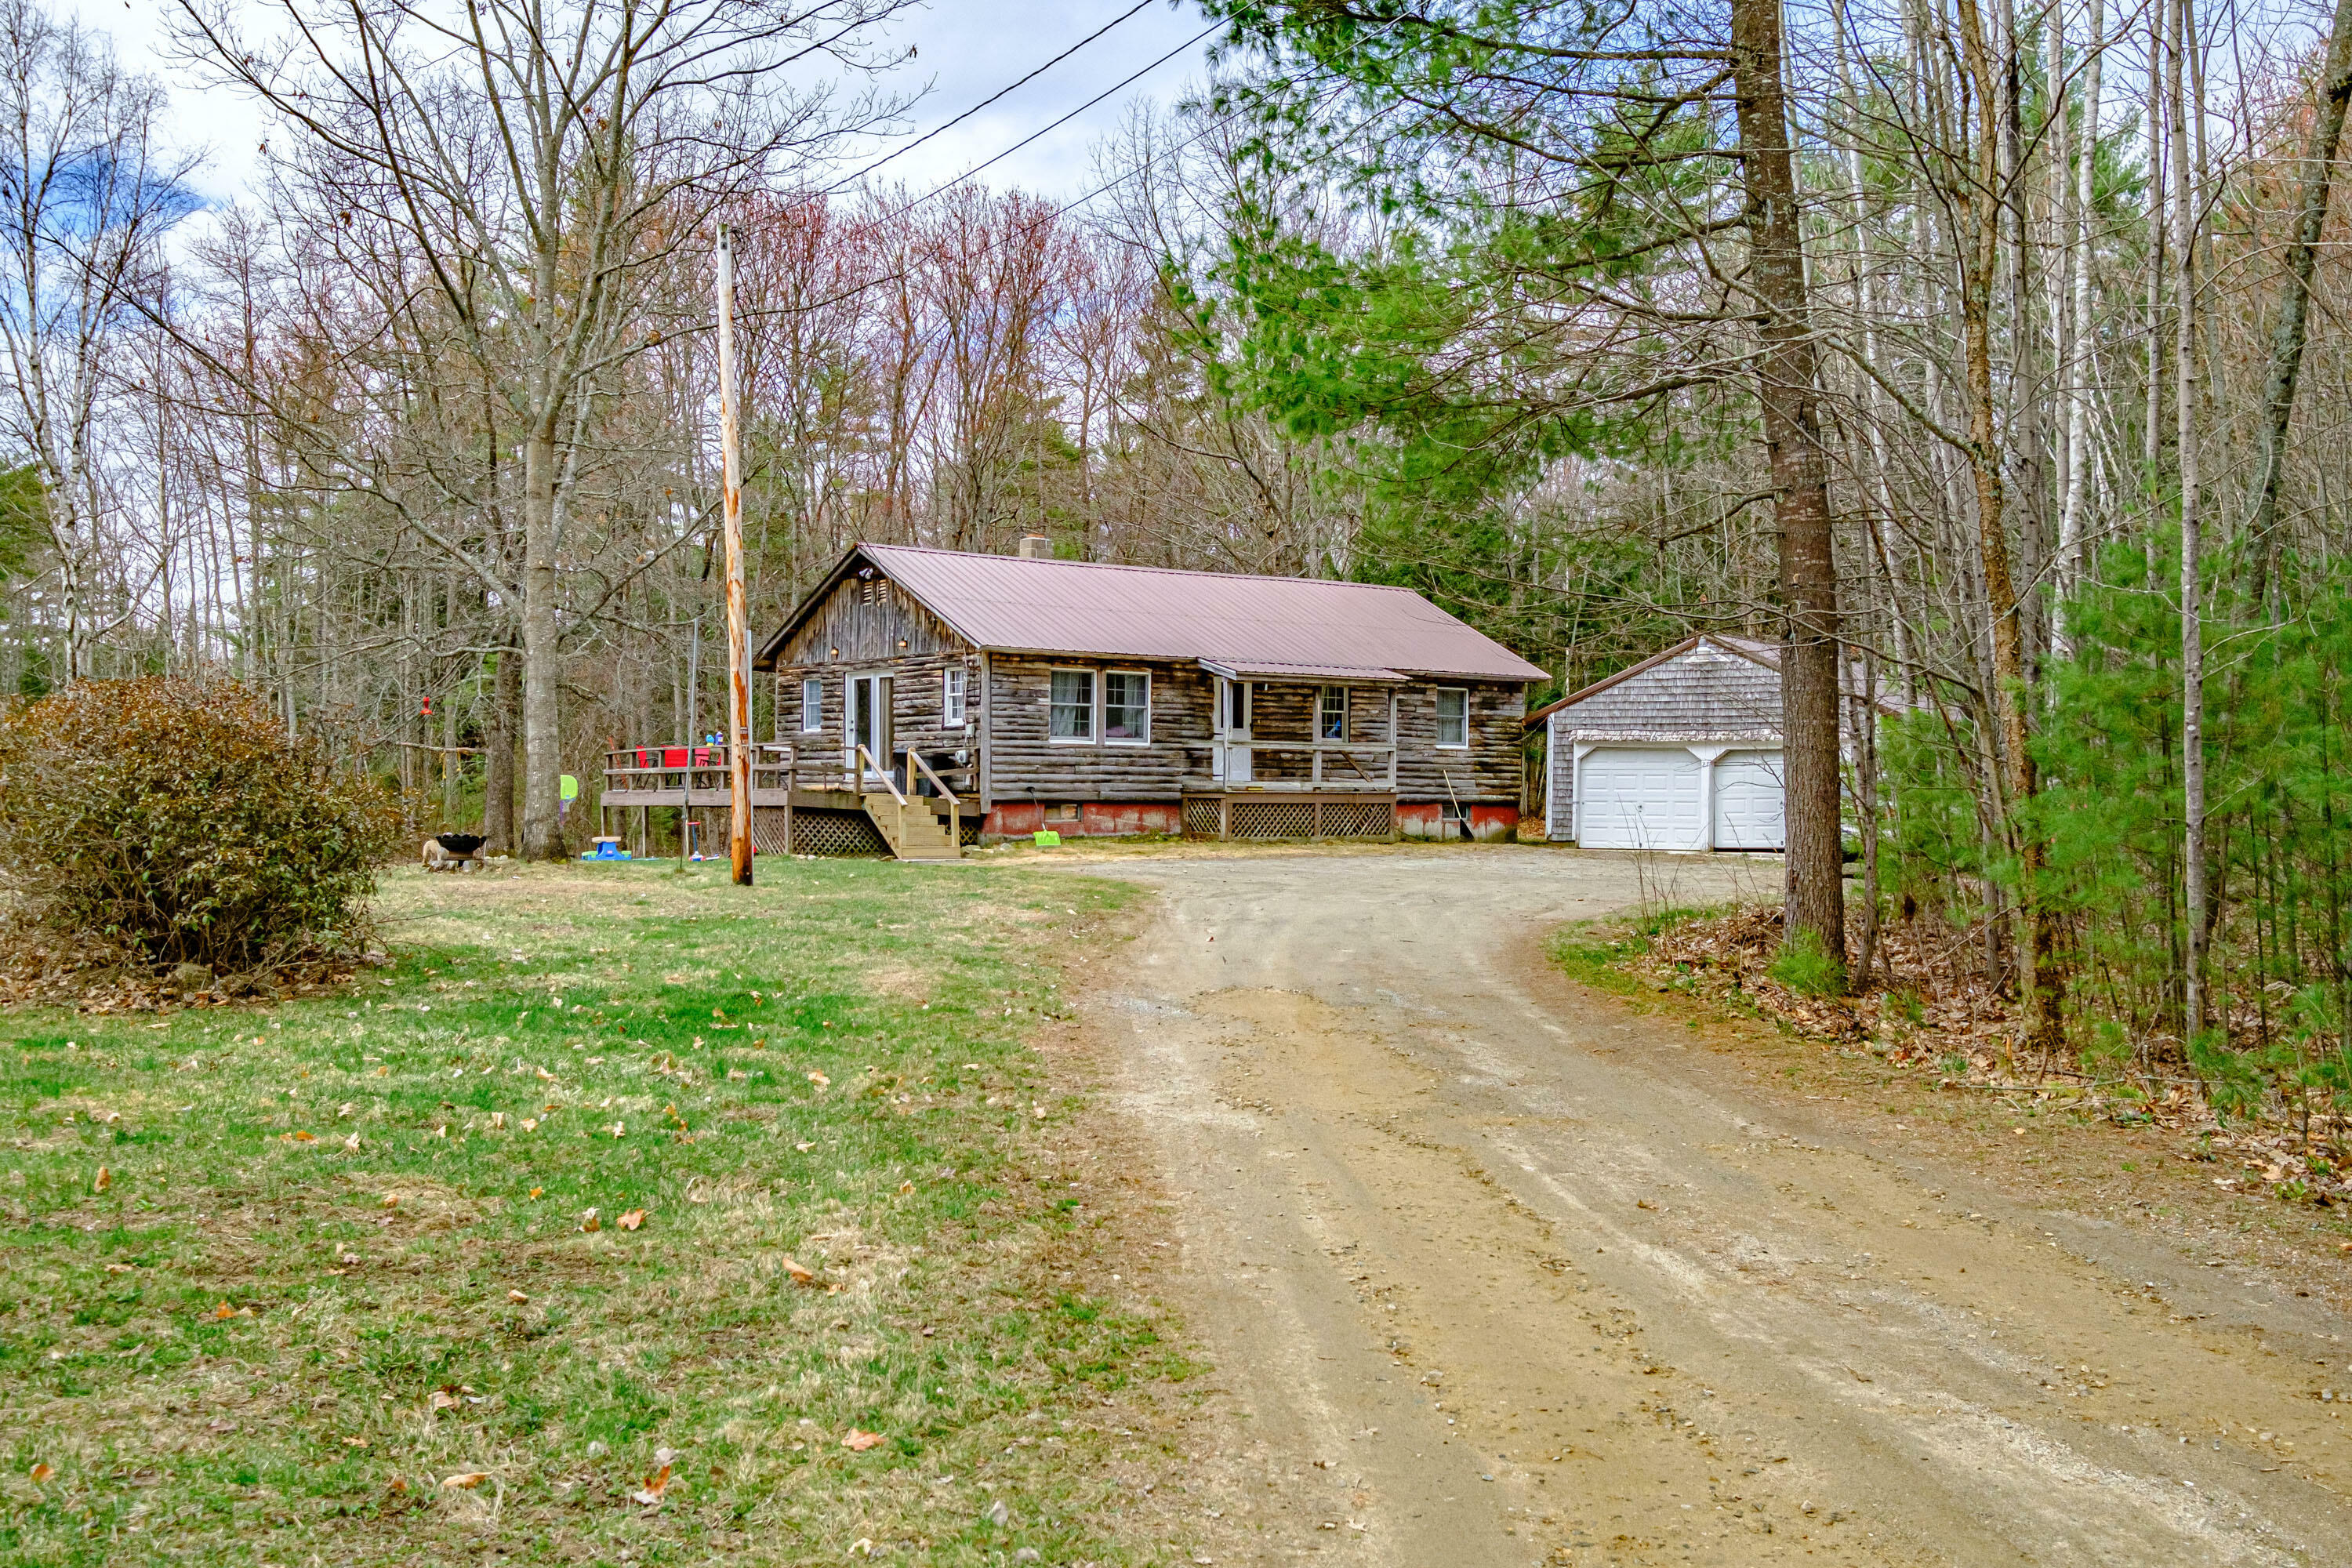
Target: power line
point(1213, 125)
point(983, 103)
point(1116, 87)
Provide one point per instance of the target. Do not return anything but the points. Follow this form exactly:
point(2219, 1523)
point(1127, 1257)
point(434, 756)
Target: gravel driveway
point(1502, 1273)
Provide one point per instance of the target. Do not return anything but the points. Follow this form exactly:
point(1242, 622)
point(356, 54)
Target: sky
point(964, 51)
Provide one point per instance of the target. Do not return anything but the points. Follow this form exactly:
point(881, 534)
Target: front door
point(868, 724)
point(1231, 753)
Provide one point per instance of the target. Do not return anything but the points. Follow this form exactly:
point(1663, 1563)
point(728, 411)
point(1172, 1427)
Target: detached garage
point(1680, 751)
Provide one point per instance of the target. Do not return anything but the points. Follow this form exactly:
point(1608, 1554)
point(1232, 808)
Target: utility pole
point(738, 676)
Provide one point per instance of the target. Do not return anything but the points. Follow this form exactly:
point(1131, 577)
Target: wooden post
point(738, 677)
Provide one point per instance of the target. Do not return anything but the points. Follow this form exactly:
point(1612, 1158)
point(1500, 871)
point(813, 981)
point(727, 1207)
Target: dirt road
point(1500, 1273)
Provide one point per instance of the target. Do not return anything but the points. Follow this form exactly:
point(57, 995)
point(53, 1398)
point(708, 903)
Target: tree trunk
point(2192, 627)
point(2293, 330)
point(499, 766)
point(2080, 330)
point(1786, 375)
point(1981, 253)
point(542, 655)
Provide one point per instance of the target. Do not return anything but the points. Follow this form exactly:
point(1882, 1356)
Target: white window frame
point(812, 705)
point(1323, 695)
point(953, 713)
point(1102, 689)
point(1443, 744)
point(1092, 709)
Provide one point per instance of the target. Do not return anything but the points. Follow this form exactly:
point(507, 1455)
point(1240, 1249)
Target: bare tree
point(532, 166)
point(87, 192)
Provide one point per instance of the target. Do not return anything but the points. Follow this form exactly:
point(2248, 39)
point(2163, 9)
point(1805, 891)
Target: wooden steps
point(926, 835)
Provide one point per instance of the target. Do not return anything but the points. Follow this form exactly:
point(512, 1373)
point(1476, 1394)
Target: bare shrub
point(162, 822)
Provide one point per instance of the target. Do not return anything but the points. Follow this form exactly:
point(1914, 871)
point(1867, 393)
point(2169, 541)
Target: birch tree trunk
point(2081, 329)
point(2192, 627)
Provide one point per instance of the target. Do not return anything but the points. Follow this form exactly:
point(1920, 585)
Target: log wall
point(860, 626)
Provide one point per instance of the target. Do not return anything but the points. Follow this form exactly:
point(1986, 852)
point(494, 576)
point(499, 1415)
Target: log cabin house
point(1006, 694)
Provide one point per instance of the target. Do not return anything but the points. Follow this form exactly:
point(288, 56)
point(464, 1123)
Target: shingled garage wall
point(1717, 704)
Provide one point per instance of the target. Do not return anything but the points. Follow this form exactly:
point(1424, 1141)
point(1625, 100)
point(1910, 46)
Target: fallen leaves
point(517, 1297)
point(224, 1310)
point(799, 1275)
point(650, 1494)
point(631, 1220)
point(821, 1081)
point(589, 1222)
point(300, 1137)
point(443, 1399)
point(465, 1480)
point(105, 1180)
point(858, 1442)
point(42, 1473)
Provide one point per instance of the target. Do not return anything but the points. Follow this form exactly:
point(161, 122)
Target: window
point(1126, 706)
point(1331, 714)
point(951, 712)
point(812, 706)
point(1453, 716)
point(1072, 706)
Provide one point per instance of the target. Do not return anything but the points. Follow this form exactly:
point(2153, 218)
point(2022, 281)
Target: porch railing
point(776, 766)
point(1326, 758)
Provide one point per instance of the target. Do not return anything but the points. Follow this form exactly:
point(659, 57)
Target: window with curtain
point(1126, 706)
point(1072, 706)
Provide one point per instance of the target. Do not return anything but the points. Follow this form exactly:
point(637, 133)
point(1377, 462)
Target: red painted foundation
point(1085, 819)
point(1426, 819)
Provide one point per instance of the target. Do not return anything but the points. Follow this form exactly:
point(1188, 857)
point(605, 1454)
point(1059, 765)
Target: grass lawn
point(628, 1217)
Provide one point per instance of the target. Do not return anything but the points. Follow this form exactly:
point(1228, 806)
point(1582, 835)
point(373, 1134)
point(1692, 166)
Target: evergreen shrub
point(162, 822)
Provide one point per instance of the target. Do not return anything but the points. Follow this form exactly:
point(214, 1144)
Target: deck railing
point(1324, 759)
point(776, 765)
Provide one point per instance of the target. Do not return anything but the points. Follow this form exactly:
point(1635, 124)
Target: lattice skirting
point(1278, 817)
point(817, 831)
point(768, 829)
point(1358, 819)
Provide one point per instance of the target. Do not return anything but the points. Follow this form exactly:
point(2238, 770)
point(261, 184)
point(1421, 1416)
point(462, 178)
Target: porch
point(803, 802)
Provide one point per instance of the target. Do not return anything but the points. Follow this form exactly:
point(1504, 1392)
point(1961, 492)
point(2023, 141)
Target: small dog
point(454, 852)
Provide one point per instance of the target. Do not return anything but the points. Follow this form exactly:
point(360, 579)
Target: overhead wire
point(1011, 87)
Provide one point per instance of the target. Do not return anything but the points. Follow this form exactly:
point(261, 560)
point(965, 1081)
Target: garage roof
point(1706, 685)
point(1276, 628)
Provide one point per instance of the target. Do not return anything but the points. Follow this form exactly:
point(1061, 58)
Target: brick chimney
point(1036, 547)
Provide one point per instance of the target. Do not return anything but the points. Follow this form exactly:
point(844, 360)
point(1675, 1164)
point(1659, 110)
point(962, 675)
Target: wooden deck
point(834, 812)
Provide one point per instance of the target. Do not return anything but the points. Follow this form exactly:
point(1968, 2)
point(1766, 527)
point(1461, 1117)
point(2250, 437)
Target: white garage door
point(1749, 806)
point(1636, 797)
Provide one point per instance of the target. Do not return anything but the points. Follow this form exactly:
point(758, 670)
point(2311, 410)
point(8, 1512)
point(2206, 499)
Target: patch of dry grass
point(352, 1251)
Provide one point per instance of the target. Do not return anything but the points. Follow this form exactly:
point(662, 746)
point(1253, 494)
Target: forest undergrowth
point(1929, 1012)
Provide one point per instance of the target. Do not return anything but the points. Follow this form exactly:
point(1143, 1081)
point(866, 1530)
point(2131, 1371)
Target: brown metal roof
point(1339, 630)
